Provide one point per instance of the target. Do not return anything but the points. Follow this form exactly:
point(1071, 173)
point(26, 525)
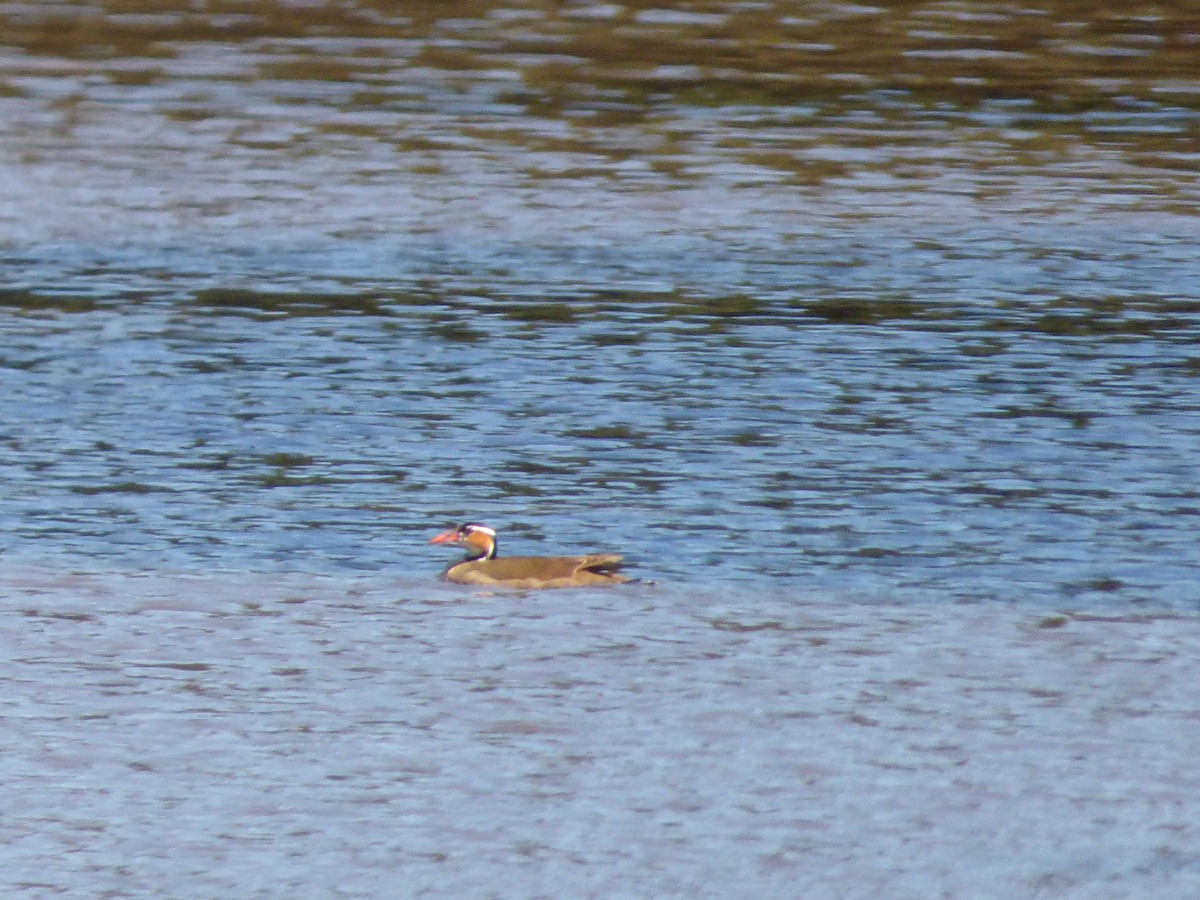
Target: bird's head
point(479, 540)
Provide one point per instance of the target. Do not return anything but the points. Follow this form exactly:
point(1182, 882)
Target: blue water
point(906, 424)
point(869, 334)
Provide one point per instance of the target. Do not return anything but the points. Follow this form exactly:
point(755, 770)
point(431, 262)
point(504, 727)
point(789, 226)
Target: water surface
point(870, 334)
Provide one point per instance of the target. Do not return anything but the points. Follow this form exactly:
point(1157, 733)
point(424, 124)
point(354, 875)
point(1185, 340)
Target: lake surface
point(828, 316)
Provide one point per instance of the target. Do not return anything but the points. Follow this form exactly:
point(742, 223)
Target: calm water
point(812, 310)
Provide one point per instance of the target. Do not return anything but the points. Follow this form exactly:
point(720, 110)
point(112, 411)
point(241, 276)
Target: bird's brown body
point(524, 572)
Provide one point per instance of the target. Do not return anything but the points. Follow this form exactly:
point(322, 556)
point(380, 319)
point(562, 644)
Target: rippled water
point(168, 735)
point(817, 312)
point(840, 445)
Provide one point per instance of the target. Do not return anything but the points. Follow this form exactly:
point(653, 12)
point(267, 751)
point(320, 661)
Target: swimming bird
point(483, 567)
